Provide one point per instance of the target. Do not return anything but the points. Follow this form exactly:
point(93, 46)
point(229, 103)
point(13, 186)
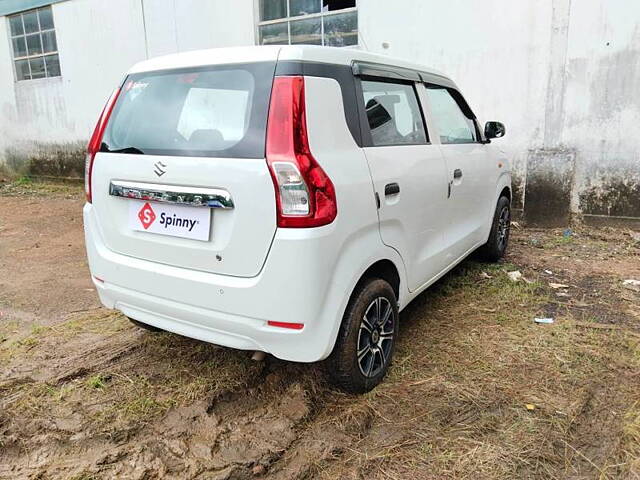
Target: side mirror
point(494, 130)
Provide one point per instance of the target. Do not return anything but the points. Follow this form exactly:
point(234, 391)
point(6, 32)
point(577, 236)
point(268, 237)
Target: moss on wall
point(58, 160)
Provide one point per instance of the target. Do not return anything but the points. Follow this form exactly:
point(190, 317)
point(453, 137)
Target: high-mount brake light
point(96, 141)
point(305, 195)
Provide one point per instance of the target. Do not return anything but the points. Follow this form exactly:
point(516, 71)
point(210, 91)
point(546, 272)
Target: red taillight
point(96, 141)
point(305, 196)
point(292, 326)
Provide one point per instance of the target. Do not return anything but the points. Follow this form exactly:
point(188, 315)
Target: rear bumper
point(295, 285)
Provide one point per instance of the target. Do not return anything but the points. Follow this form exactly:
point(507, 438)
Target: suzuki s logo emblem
point(159, 168)
point(147, 216)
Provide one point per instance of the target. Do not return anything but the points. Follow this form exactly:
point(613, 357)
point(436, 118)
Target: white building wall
point(498, 52)
point(182, 25)
point(561, 74)
point(8, 111)
point(602, 106)
point(98, 42)
point(564, 76)
point(219, 23)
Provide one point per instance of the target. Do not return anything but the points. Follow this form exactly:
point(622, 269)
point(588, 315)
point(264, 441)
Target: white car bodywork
point(225, 290)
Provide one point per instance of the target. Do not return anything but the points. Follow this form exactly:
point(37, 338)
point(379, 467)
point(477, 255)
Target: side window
point(393, 114)
point(454, 126)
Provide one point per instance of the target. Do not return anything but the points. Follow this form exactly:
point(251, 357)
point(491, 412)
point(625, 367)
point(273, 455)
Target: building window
point(317, 22)
point(33, 40)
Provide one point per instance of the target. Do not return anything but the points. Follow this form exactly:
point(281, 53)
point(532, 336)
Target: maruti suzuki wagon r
point(288, 200)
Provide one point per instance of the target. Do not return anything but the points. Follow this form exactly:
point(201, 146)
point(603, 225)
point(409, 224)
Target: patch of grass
point(10, 349)
point(100, 321)
point(83, 476)
point(562, 240)
point(23, 181)
point(490, 295)
point(133, 400)
point(97, 381)
point(33, 187)
point(631, 440)
point(633, 346)
point(9, 326)
point(28, 342)
point(38, 329)
point(143, 407)
point(39, 398)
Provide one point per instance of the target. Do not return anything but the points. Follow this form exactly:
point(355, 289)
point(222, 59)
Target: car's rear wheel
point(151, 328)
point(496, 246)
point(365, 344)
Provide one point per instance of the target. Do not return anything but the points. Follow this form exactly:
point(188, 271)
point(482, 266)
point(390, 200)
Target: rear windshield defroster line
point(212, 111)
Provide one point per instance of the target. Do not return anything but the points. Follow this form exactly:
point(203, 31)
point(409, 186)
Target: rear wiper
point(133, 150)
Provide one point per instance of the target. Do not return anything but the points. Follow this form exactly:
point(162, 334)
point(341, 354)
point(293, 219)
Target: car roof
point(308, 53)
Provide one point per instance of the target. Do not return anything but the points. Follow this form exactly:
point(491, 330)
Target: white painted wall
point(497, 52)
point(602, 102)
point(561, 74)
point(98, 42)
point(8, 111)
point(183, 25)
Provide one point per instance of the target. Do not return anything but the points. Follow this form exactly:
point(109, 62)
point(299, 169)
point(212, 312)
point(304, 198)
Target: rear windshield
point(214, 112)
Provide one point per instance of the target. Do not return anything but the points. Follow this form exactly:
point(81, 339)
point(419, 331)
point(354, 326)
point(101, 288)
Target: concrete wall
point(602, 106)
point(182, 25)
point(563, 75)
point(498, 52)
point(98, 41)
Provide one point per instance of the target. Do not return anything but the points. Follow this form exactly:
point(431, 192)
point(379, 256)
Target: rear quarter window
point(207, 111)
point(393, 113)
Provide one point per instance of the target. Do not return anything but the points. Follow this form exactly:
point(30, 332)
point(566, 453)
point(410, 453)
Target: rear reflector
point(292, 326)
point(305, 196)
point(96, 141)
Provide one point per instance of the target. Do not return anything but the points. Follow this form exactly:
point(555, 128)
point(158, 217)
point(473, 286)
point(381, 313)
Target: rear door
point(468, 169)
point(409, 176)
point(181, 177)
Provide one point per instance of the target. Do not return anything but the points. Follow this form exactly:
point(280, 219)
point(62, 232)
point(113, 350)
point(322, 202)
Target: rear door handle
point(391, 189)
point(457, 173)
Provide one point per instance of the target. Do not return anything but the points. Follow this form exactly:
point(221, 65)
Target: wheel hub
point(375, 338)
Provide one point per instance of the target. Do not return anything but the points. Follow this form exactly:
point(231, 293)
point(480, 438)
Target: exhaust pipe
point(258, 356)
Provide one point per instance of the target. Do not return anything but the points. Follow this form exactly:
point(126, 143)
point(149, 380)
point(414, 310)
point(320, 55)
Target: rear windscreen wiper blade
point(133, 150)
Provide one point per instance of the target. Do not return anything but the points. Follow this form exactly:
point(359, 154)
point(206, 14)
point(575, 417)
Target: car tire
point(360, 358)
point(151, 328)
point(496, 246)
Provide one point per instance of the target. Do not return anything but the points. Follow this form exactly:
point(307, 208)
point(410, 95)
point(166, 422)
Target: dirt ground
point(477, 389)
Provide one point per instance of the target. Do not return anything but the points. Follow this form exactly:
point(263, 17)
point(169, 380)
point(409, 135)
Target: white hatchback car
point(289, 200)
